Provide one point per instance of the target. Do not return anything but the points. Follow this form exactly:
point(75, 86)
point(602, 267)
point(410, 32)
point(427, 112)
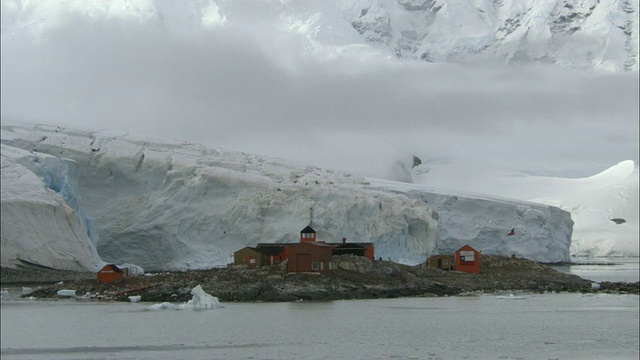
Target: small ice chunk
point(26, 290)
point(135, 299)
point(595, 286)
point(4, 292)
point(163, 306)
point(67, 292)
point(511, 297)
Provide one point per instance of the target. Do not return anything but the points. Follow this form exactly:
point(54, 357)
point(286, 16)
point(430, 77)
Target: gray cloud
point(231, 87)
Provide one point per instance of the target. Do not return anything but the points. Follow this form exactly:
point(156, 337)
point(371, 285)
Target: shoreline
point(354, 278)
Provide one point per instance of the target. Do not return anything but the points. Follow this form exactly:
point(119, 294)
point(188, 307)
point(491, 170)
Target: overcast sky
point(255, 89)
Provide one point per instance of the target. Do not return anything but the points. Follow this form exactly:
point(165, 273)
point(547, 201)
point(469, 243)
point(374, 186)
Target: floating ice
point(511, 297)
point(201, 300)
point(26, 290)
point(66, 292)
point(135, 299)
point(163, 306)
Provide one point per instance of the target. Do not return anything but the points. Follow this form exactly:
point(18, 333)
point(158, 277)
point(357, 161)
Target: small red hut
point(110, 273)
point(468, 260)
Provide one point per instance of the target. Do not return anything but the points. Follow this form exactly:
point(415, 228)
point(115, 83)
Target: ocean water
point(618, 269)
point(490, 326)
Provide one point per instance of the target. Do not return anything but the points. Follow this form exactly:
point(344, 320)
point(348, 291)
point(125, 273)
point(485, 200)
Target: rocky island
point(354, 278)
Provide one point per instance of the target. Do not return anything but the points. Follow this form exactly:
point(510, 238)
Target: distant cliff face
point(165, 204)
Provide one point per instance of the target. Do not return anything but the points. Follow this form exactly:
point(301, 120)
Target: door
point(304, 262)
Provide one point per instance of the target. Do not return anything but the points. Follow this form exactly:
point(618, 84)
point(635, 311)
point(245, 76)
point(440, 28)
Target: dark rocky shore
point(354, 278)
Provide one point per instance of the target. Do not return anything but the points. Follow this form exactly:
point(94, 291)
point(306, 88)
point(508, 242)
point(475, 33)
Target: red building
point(355, 248)
point(276, 253)
point(468, 260)
point(281, 249)
point(110, 273)
point(259, 256)
point(310, 257)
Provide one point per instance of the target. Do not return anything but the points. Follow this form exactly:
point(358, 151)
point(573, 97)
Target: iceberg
point(200, 301)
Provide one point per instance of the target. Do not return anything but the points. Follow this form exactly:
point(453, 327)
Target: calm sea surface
point(497, 326)
point(620, 269)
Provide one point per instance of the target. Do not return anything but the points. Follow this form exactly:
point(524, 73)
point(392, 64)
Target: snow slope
point(165, 204)
point(590, 34)
point(604, 207)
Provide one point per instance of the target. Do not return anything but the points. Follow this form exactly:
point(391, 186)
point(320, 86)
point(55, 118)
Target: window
point(322, 265)
point(315, 265)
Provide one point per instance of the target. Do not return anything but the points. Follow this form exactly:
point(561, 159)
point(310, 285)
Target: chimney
point(344, 240)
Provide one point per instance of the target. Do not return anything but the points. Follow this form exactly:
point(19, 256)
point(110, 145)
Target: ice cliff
point(165, 204)
point(604, 207)
point(542, 232)
point(41, 224)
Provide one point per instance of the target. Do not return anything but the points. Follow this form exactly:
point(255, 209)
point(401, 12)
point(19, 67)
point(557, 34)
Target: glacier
point(173, 205)
point(484, 222)
point(39, 223)
point(604, 207)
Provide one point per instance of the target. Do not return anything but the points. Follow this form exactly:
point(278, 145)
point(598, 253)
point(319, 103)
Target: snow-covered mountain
point(165, 204)
point(590, 34)
point(572, 33)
